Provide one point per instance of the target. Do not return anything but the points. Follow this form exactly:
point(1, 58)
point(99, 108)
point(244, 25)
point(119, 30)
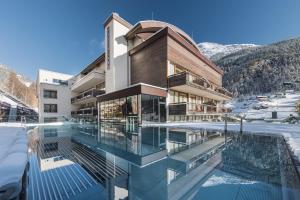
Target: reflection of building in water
point(151, 155)
point(165, 163)
point(78, 166)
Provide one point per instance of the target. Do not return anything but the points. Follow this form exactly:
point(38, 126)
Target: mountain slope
point(215, 51)
point(18, 86)
point(262, 69)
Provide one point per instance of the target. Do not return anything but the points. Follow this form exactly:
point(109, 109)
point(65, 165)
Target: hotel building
point(150, 72)
point(53, 91)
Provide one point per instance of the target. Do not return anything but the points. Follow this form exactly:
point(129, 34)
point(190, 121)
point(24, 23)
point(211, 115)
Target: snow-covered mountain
point(215, 51)
point(6, 71)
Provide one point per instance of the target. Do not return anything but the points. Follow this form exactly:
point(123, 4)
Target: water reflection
point(116, 161)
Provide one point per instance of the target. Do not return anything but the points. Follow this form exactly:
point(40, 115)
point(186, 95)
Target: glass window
point(50, 108)
point(182, 97)
point(132, 107)
point(50, 94)
point(60, 82)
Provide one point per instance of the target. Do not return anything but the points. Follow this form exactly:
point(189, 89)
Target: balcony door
point(162, 112)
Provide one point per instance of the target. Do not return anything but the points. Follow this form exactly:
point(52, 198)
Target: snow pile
point(210, 49)
point(253, 109)
point(13, 160)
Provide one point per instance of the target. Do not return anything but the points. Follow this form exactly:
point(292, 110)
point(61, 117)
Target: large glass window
point(153, 108)
point(118, 109)
point(52, 94)
point(132, 106)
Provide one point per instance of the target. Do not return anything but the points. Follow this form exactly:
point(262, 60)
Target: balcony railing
point(187, 78)
point(87, 95)
point(84, 82)
point(186, 108)
point(85, 112)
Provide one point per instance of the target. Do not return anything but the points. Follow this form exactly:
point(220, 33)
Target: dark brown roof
point(94, 64)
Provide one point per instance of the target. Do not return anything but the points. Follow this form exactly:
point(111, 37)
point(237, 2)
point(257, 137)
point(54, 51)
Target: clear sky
point(66, 35)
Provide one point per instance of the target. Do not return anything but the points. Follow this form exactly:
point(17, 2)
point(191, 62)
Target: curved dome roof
point(146, 29)
point(151, 26)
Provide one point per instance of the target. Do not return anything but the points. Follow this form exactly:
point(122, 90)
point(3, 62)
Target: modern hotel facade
point(150, 72)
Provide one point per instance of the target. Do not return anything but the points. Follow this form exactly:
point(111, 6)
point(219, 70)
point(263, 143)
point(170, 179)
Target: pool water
point(116, 161)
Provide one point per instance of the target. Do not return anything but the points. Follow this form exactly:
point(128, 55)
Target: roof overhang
point(136, 89)
point(94, 64)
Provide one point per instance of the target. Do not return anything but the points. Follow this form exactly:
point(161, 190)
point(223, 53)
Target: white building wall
point(117, 71)
point(63, 100)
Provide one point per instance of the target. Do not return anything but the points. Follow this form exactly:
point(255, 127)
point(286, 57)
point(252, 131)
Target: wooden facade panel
point(181, 56)
point(149, 65)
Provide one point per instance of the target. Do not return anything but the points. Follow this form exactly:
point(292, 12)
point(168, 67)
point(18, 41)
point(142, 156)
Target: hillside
point(262, 69)
point(215, 51)
point(18, 86)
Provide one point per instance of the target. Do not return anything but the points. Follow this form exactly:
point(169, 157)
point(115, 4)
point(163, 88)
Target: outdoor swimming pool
point(122, 162)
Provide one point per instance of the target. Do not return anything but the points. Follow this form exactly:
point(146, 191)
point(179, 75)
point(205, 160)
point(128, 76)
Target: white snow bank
point(13, 159)
point(285, 106)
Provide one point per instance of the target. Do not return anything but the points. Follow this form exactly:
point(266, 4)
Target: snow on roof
point(5, 99)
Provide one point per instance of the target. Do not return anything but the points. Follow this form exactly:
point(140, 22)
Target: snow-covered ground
point(253, 109)
point(13, 159)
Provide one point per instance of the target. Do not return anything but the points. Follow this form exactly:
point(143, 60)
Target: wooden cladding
point(149, 64)
point(149, 60)
point(181, 56)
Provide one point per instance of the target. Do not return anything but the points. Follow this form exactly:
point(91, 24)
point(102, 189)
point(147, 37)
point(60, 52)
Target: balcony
point(186, 108)
point(191, 83)
point(90, 80)
point(92, 111)
point(86, 96)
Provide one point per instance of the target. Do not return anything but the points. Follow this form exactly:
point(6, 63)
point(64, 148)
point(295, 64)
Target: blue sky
point(66, 35)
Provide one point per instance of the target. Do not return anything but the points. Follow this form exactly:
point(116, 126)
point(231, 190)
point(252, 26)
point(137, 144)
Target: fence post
point(241, 125)
point(225, 127)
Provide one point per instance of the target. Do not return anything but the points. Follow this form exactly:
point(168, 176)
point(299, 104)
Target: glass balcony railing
point(187, 108)
point(92, 111)
point(87, 94)
point(187, 78)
